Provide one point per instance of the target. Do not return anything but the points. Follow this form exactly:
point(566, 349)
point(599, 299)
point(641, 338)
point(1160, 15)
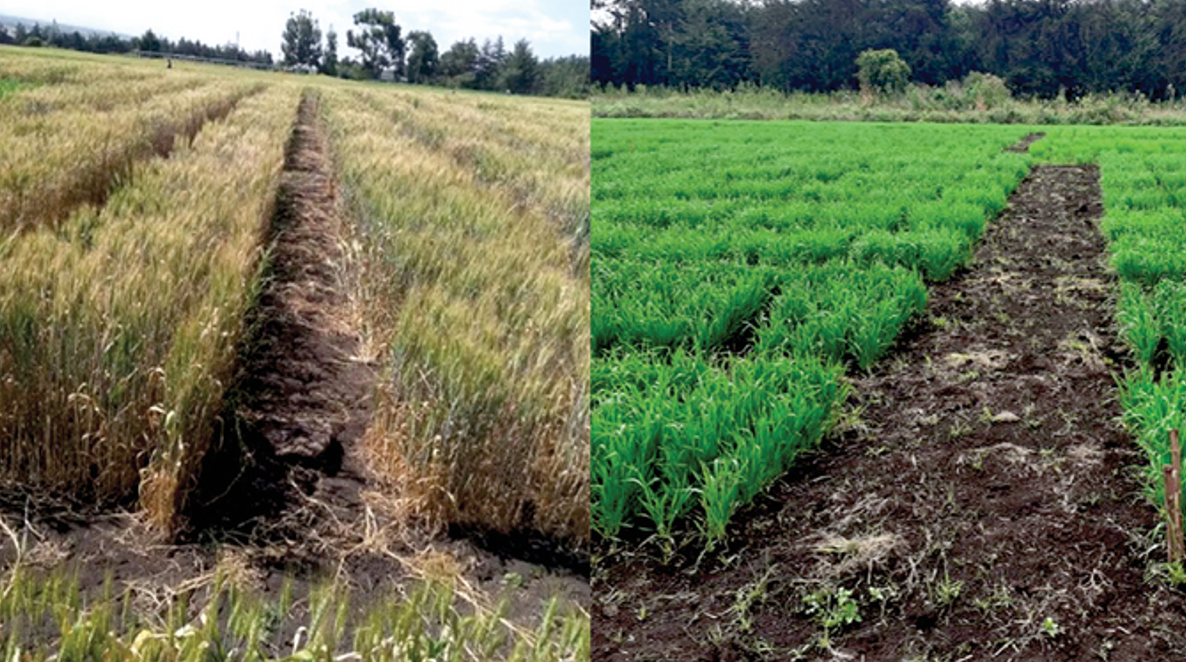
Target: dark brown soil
point(978, 500)
point(310, 391)
point(1023, 145)
point(301, 400)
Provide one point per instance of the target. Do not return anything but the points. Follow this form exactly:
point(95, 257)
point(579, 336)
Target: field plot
point(260, 312)
point(977, 498)
point(736, 268)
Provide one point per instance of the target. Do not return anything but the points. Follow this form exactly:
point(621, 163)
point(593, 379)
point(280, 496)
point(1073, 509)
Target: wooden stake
point(1171, 522)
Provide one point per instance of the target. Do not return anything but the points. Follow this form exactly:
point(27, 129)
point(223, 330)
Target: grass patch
point(952, 103)
point(9, 85)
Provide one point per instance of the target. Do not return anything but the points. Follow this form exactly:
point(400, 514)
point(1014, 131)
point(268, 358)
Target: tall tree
point(520, 72)
point(489, 64)
point(460, 63)
point(424, 59)
point(378, 37)
point(1169, 26)
point(148, 42)
point(708, 45)
point(329, 62)
point(565, 76)
point(302, 40)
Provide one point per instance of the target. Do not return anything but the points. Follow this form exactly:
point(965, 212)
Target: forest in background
point(408, 56)
point(1041, 48)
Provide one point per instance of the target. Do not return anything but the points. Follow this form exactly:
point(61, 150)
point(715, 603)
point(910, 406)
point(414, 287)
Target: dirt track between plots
point(310, 392)
point(978, 500)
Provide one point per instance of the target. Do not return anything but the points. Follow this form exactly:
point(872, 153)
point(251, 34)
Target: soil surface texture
point(308, 390)
point(977, 501)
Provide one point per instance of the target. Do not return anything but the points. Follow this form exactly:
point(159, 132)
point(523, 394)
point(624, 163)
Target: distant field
point(142, 216)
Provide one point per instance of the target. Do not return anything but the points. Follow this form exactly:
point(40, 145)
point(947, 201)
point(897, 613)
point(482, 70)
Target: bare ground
point(977, 502)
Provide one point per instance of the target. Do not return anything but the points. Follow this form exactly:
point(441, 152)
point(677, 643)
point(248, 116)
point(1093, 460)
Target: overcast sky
point(554, 27)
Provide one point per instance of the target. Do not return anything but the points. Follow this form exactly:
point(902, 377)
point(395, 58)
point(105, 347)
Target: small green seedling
point(1050, 627)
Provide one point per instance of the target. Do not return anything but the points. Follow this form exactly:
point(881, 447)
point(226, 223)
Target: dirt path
point(979, 502)
point(311, 392)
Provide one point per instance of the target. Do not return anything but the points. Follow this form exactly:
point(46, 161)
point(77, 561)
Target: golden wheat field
point(321, 339)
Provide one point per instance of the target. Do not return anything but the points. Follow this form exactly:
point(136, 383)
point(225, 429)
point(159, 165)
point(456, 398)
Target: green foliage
point(149, 42)
point(833, 608)
point(1142, 177)
point(1139, 324)
point(736, 268)
point(424, 59)
point(667, 430)
point(377, 35)
point(1045, 49)
point(301, 40)
point(986, 90)
point(1050, 627)
point(882, 72)
point(329, 61)
point(520, 73)
point(47, 617)
point(9, 85)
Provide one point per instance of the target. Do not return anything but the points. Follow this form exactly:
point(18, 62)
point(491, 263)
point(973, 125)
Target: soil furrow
point(302, 397)
point(978, 501)
point(1023, 145)
point(95, 183)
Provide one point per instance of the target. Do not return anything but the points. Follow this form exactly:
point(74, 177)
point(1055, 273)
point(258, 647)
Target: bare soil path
point(302, 397)
point(978, 502)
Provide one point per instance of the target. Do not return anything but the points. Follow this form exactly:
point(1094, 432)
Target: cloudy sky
point(554, 27)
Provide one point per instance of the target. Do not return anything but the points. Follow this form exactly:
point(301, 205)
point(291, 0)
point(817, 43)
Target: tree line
point(387, 52)
point(1040, 48)
point(51, 35)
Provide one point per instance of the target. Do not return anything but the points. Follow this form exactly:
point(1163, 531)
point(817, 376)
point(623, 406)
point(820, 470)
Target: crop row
point(118, 328)
point(1143, 183)
point(536, 153)
point(675, 432)
point(837, 311)
point(70, 144)
point(736, 268)
point(473, 309)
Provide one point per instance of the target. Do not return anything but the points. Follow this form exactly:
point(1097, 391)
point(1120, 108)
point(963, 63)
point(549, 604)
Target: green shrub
point(882, 72)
